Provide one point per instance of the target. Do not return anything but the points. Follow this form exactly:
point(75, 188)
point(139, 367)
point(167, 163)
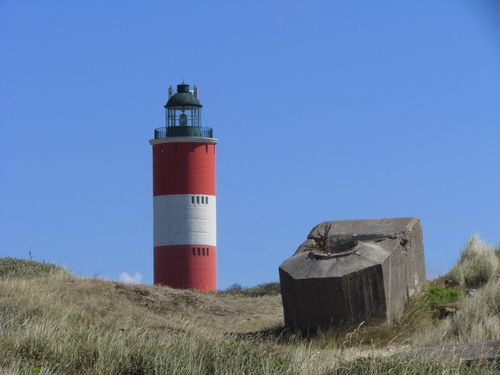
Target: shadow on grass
point(373, 335)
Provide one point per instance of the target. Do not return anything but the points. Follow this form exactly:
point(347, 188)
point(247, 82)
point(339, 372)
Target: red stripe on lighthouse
point(183, 168)
point(185, 266)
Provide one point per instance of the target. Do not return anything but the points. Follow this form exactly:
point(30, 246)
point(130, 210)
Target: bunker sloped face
point(347, 272)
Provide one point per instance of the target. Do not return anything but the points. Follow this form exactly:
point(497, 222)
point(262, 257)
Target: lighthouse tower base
point(185, 266)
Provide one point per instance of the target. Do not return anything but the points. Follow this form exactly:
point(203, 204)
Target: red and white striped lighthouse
point(184, 196)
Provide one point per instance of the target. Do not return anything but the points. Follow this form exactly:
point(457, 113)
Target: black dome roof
point(183, 98)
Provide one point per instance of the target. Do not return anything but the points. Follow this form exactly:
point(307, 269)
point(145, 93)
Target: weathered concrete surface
point(375, 265)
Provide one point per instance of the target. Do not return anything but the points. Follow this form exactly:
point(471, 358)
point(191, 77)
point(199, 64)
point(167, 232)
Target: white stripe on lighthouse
point(184, 219)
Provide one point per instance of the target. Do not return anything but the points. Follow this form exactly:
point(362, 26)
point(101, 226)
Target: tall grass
point(90, 350)
point(46, 326)
point(477, 265)
point(478, 316)
point(54, 323)
point(477, 319)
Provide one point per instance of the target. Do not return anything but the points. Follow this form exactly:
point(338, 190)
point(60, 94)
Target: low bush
point(435, 295)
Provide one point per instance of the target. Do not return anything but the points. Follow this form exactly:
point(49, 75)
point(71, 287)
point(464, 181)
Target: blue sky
point(325, 110)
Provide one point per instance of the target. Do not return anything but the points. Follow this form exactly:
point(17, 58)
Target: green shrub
point(477, 265)
point(437, 295)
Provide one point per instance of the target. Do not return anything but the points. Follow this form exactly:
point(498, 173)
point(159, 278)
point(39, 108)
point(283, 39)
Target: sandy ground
point(220, 313)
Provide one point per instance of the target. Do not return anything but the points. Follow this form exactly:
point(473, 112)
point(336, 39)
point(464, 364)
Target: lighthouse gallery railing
point(183, 131)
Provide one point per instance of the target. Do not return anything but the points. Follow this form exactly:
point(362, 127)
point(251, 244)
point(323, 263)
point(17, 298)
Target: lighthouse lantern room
point(184, 199)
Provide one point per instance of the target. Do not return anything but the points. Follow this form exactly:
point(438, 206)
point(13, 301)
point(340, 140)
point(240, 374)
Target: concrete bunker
point(347, 272)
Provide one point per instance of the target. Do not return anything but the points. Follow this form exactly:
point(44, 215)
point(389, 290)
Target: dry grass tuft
point(477, 265)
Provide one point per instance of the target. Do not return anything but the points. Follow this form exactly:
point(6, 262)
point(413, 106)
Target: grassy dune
point(54, 323)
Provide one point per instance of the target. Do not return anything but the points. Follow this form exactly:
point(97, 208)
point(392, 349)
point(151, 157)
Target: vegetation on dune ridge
point(67, 325)
point(477, 319)
point(265, 289)
point(477, 265)
point(21, 268)
point(478, 315)
point(54, 323)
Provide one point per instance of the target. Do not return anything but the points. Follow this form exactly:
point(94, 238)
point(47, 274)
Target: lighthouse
point(184, 201)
